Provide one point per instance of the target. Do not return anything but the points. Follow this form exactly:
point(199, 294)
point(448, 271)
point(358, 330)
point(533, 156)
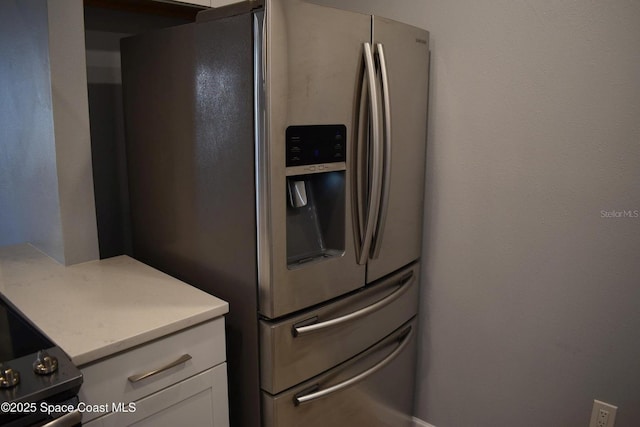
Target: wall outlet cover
point(603, 414)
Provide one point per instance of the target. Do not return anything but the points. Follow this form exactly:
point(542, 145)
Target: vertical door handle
point(371, 217)
point(359, 164)
point(360, 178)
point(386, 169)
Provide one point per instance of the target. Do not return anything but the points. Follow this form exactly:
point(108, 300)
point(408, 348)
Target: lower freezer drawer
point(374, 389)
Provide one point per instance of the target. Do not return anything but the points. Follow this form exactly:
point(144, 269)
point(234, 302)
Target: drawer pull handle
point(180, 360)
point(312, 394)
point(311, 325)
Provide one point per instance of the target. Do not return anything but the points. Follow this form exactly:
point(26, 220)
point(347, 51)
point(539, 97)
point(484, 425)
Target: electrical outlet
point(603, 414)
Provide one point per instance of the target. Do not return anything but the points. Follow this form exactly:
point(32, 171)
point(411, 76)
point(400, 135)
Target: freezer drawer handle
point(306, 398)
point(309, 325)
point(139, 377)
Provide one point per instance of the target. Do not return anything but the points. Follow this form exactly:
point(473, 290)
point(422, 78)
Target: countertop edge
point(89, 357)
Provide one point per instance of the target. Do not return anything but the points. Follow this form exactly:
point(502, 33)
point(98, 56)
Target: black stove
point(34, 372)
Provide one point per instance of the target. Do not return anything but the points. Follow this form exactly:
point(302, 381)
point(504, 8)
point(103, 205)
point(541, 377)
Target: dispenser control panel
point(316, 145)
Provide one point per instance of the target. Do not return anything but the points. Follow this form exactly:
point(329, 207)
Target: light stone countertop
point(98, 308)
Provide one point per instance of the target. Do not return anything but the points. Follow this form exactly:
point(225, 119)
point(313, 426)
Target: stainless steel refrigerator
point(276, 158)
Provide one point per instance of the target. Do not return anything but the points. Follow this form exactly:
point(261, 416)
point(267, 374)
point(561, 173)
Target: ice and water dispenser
point(316, 166)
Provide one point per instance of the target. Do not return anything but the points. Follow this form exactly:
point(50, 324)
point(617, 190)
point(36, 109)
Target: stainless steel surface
point(45, 364)
point(179, 361)
point(406, 52)
point(189, 107)
point(301, 399)
point(287, 360)
point(305, 327)
point(68, 420)
point(386, 143)
point(263, 213)
point(311, 169)
point(313, 59)
point(8, 377)
point(384, 399)
point(371, 215)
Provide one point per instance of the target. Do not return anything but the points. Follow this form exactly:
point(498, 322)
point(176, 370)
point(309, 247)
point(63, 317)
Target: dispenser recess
point(316, 167)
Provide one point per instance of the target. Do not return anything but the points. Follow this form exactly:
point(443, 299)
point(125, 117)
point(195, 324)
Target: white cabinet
point(198, 401)
point(206, 3)
point(184, 378)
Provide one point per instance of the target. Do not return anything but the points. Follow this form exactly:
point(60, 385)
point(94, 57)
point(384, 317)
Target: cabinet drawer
point(345, 327)
point(198, 401)
point(109, 380)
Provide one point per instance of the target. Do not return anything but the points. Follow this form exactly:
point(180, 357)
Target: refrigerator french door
point(276, 158)
point(358, 82)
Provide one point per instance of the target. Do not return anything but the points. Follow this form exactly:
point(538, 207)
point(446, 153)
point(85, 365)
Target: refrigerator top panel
point(308, 81)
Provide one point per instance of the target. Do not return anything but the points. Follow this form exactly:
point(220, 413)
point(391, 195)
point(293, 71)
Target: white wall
point(530, 293)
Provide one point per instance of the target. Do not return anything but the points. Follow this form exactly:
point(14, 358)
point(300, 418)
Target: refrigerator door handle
point(310, 325)
point(386, 170)
point(303, 397)
point(376, 173)
point(359, 166)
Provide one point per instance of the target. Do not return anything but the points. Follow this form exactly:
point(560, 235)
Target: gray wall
point(29, 204)
point(530, 292)
point(46, 186)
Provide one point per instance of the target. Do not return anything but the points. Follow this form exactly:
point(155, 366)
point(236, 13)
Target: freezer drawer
point(373, 389)
point(302, 346)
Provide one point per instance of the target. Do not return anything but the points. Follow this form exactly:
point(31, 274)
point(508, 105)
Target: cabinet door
point(107, 381)
point(198, 401)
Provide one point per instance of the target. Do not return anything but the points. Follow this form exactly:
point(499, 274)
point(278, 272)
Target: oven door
point(374, 389)
point(44, 419)
point(69, 419)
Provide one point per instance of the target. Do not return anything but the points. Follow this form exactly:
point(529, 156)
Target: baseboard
point(417, 422)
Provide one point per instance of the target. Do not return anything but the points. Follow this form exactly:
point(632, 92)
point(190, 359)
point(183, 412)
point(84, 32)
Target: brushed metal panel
point(407, 55)
point(289, 360)
point(313, 61)
point(188, 94)
point(384, 399)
